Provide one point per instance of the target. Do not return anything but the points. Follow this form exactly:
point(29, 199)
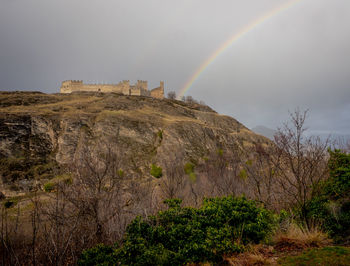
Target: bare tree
point(141, 198)
point(190, 99)
point(342, 143)
point(93, 203)
point(262, 169)
point(303, 162)
point(172, 95)
point(96, 191)
point(222, 170)
point(173, 183)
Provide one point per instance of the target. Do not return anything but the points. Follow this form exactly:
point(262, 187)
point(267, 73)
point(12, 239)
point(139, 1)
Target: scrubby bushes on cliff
point(13, 169)
point(182, 235)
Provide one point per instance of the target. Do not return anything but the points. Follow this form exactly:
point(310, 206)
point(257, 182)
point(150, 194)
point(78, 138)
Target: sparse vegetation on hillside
point(88, 174)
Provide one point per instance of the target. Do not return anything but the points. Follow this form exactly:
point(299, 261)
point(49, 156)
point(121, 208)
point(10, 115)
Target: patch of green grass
point(332, 256)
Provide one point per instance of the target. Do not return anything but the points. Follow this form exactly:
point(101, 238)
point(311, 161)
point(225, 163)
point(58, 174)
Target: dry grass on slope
point(296, 238)
point(256, 255)
point(289, 242)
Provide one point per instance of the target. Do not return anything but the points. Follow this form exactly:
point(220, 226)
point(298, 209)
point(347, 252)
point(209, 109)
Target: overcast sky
point(299, 57)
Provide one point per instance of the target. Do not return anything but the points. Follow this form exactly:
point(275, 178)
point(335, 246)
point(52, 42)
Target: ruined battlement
point(123, 87)
point(72, 82)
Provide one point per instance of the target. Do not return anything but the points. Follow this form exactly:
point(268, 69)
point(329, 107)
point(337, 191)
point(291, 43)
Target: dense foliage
point(332, 206)
point(182, 235)
point(99, 255)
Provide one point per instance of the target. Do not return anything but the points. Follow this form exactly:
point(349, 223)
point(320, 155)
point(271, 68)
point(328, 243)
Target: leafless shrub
point(11, 237)
point(261, 167)
point(93, 205)
point(97, 185)
point(342, 143)
point(173, 183)
point(222, 170)
point(171, 95)
point(189, 99)
point(302, 164)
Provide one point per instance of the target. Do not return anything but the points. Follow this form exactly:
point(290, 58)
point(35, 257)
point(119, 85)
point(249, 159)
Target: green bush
point(156, 171)
point(185, 235)
point(189, 170)
point(99, 255)
point(338, 185)
point(48, 187)
point(331, 207)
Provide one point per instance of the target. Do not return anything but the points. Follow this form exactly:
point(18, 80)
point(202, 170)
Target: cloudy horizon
point(297, 58)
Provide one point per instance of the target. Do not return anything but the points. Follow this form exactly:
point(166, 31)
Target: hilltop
point(41, 130)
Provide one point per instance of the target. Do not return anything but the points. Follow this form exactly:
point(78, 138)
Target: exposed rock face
point(23, 134)
point(41, 126)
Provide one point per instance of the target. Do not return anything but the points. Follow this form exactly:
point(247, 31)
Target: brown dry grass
point(256, 255)
point(291, 241)
point(296, 238)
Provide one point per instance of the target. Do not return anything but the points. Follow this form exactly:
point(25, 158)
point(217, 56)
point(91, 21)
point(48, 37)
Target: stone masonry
point(123, 87)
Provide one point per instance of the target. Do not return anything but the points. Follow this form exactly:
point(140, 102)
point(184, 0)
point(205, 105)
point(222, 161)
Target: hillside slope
point(38, 130)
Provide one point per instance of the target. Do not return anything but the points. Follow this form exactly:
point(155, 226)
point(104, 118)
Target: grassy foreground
point(320, 256)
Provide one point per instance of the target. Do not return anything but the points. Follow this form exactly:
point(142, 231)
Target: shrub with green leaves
point(331, 207)
point(98, 255)
point(183, 235)
point(49, 187)
point(338, 185)
point(189, 170)
point(156, 171)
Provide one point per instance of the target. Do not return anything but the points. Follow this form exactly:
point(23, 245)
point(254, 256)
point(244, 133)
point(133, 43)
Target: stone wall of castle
point(158, 92)
point(123, 87)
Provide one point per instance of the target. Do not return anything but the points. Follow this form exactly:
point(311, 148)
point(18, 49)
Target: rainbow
point(231, 40)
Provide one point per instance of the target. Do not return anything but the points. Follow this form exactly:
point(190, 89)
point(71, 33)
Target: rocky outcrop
point(46, 128)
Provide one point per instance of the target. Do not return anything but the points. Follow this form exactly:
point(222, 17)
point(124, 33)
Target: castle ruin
point(123, 87)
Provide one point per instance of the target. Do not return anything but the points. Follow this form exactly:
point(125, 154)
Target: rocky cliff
point(40, 132)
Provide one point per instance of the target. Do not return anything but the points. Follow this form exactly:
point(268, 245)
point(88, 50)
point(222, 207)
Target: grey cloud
point(299, 57)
